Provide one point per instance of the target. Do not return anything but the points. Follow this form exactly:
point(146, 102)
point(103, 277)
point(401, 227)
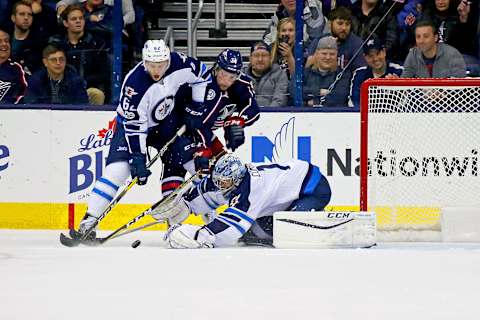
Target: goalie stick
point(70, 242)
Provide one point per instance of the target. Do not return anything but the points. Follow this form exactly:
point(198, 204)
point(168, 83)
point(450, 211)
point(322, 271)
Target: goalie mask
point(228, 173)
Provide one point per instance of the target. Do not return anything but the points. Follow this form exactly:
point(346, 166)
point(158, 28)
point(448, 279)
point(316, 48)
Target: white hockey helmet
point(155, 51)
point(228, 172)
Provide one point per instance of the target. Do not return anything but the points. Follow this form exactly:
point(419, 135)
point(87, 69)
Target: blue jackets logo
point(85, 168)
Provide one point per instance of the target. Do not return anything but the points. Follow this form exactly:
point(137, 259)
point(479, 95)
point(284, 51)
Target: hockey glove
point(188, 236)
point(201, 159)
point(138, 168)
point(234, 134)
point(193, 116)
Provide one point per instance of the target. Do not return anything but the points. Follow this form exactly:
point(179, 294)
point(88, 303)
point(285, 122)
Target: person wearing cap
point(378, 67)
point(320, 88)
point(269, 81)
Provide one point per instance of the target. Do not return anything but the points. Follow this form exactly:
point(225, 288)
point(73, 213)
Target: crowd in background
point(61, 52)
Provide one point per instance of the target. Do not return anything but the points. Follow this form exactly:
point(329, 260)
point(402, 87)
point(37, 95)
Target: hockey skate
point(87, 222)
point(81, 235)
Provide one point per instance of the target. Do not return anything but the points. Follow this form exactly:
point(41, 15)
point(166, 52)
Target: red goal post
point(420, 149)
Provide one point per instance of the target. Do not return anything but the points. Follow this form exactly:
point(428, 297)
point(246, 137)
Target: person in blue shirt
point(378, 67)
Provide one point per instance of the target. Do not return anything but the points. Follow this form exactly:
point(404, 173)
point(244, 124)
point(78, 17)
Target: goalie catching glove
point(175, 211)
point(234, 134)
point(188, 236)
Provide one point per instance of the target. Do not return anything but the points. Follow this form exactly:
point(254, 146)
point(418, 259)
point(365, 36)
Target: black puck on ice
point(136, 243)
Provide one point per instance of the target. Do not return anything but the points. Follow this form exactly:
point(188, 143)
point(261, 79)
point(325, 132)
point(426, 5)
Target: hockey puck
point(136, 243)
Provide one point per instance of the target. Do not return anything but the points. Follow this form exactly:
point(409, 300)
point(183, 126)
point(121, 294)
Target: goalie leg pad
point(324, 229)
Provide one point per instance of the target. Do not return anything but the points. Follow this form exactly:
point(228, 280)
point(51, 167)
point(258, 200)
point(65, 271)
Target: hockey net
point(420, 150)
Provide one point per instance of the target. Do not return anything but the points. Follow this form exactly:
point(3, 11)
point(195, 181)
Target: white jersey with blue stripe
point(146, 108)
point(265, 189)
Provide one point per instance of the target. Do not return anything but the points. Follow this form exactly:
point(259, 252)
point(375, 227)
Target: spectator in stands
point(5, 10)
point(12, 77)
point(26, 44)
point(85, 52)
point(56, 83)
point(430, 59)
point(378, 67)
point(282, 47)
point(456, 24)
point(406, 19)
point(320, 88)
point(315, 24)
point(44, 20)
point(99, 19)
point(132, 34)
point(269, 81)
point(330, 5)
point(367, 14)
point(127, 8)
point(348, 43)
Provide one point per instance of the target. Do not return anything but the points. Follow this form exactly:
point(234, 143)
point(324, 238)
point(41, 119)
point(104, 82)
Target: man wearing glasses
point(56, 83)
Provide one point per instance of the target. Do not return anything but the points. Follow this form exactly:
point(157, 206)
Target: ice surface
point(42, 280)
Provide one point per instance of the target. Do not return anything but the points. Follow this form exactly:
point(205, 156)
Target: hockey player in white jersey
point(253, 194)
point(145, 117)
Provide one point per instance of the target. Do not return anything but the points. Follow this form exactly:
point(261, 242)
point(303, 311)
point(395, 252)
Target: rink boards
point(49, 160)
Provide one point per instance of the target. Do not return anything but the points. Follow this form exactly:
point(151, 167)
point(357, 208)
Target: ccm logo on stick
point(338, 215)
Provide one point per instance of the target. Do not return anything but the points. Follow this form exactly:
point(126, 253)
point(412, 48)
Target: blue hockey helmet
point(228, 172)
point(230, 60)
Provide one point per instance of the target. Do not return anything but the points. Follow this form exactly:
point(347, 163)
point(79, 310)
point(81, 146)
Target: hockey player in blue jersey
point(253, 194)
point(145, 117)
point(229, 103)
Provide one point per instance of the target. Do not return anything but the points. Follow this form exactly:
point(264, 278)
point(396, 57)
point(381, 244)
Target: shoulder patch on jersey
point(211, 94)
point(234, 201)
point(130, 92)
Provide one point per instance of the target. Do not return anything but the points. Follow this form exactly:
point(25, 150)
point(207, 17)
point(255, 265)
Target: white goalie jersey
point(264, 190)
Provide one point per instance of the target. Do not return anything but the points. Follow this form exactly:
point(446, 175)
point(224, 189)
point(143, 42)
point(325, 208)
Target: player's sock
point(106, 187)
point(170, 184)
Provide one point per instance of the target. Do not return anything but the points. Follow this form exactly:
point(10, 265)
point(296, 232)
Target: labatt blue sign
point(4, 155)
point(85, 168)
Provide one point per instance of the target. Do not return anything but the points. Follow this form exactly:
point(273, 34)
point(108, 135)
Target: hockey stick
point(115, 234)
point(146, 212)
point(70, 242)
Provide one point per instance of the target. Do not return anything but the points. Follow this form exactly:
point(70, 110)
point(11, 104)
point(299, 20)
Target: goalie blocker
point(325, 229)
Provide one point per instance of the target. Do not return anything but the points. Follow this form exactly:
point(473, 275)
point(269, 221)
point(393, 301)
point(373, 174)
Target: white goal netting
point(420, 149)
